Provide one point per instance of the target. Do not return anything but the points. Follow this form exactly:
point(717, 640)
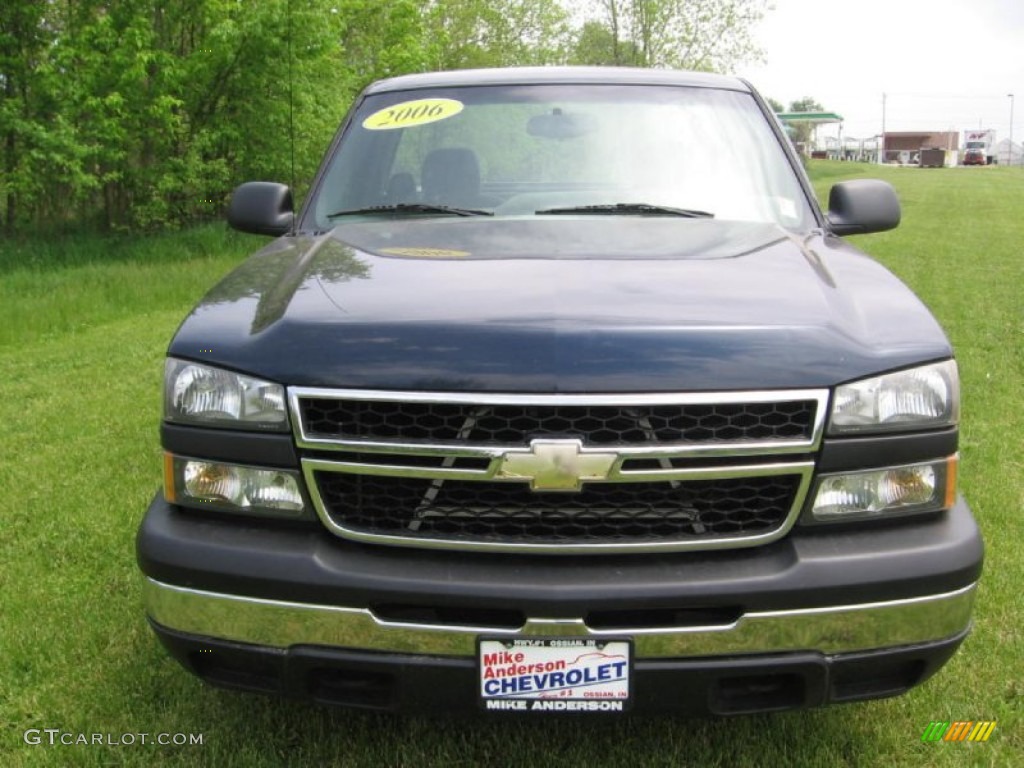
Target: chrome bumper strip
point(832, 629)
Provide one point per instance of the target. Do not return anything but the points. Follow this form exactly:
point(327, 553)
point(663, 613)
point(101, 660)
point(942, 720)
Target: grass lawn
point(83, 328)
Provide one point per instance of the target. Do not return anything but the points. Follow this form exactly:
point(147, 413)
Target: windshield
point(545, 150)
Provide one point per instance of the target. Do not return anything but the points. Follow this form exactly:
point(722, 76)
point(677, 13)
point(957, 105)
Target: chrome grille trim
point(617, 474)
point(661, 450)
point(803, 469)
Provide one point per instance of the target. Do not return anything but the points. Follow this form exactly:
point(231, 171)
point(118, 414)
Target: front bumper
point(814, 618)
point(416, 683)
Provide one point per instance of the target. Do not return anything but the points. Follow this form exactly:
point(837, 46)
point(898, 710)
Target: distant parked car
point(975, 157)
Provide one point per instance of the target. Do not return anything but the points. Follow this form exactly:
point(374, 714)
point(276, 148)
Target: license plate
point(554, 674)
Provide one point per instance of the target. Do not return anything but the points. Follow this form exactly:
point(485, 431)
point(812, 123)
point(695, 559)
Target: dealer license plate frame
point(593, 694)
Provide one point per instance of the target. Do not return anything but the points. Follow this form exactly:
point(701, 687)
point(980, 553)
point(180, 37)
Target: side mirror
point(261, 208)
point(861, 206)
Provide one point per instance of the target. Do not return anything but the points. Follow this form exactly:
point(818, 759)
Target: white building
point(1007, 154)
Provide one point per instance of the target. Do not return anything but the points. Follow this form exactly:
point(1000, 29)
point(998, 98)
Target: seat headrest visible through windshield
point(451, 176)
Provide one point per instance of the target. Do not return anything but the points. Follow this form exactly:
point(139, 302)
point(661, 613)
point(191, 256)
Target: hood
point(560, 304)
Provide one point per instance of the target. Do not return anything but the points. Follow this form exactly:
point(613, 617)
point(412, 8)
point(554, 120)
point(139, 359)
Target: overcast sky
point(942, 65)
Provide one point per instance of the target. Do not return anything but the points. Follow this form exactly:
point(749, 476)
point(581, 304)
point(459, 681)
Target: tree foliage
point(146, 113)
point(494, 33)
point(803, 133)
point(806, 104)
point(710, 35)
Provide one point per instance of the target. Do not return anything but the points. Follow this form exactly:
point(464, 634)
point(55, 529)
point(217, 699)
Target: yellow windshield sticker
point(412, 113)
point(425, 253)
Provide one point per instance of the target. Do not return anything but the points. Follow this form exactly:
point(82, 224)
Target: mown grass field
point(83, 328)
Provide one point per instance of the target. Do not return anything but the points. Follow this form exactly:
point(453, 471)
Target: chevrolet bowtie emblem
point(556, 465)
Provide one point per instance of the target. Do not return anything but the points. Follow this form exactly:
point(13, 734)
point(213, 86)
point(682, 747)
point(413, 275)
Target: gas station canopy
point(814, 118)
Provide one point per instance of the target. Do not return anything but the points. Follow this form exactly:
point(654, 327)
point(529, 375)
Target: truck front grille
point(558, 473)
point(605, 513)
point(595, 424)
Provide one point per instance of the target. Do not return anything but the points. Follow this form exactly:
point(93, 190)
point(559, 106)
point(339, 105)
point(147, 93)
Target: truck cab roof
point(558, 75)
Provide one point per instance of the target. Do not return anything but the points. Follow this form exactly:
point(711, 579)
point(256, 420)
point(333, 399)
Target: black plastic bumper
point(804, 570)
point(437, 685)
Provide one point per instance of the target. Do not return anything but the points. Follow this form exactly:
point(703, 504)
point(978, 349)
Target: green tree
point(495, 33)
point(40, 157)
point(802, 133)
point(806, 104)
point(145, 113)
point(596, 44)
point(687, 34)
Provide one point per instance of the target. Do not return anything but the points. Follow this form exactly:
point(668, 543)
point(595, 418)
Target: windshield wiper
point(642, 209)
point(411, 208)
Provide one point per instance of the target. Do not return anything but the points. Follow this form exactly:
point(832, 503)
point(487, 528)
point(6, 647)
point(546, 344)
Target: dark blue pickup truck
point(561, 394)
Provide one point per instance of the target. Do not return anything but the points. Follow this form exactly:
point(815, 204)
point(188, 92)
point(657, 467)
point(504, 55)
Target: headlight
point(886, 492)
point(212, 397)
point(918, 398)
point(233, 488)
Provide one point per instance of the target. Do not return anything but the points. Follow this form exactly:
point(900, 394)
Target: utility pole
point(1009, 160)
point(881, 148)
